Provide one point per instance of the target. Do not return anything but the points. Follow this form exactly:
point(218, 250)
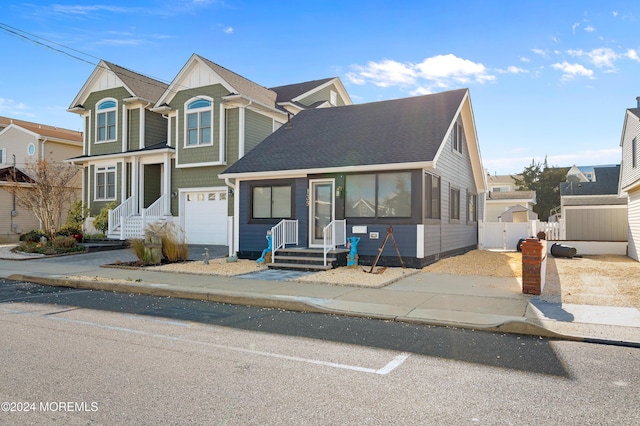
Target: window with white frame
point(105, 183)
point(106, 121)
point(3, 155)
point(198, 122)
point(634, 153)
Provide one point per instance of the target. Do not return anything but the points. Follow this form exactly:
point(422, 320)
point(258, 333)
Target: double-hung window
point(472, 207)
point(458, 137)
point(105, 183)
point(106, 121)
point(199, 124)
point(3, 155)
point(431, 196)
point(454, 204)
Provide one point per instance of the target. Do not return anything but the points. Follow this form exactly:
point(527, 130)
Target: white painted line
point(389, 367)
point(162, 321)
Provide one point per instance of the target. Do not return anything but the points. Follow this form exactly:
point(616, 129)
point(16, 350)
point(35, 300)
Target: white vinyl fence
point(505, 235)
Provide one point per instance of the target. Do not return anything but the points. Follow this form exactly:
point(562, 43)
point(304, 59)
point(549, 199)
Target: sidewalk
point(473, 302)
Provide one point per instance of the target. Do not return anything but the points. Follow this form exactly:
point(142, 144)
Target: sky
point(547, 79)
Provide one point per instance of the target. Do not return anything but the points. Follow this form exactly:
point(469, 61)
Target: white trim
point(596, 207)
point(311, 209)
point(222, 131)
point(125, 125)
point(420, 241)
point(211, 163)
point(3, 155)
point(106, 171)
point(343, 169)
point(197, 111)
point(142, 127)
point(123, 185)
point(105, 111)
point(241, 131)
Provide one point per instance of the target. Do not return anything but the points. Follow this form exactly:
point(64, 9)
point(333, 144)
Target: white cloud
point(228, 30)
point(615, 13)
point(539, 52)
point(589, 29)
point(512, 70)
point(9, 105)
point(439, 71)
point(570, 71)
point(632, 54)
point(601, 57)
point(574, 26)
point(525, 59)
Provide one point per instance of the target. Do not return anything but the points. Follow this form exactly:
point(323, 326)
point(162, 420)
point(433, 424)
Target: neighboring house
point(156, 150)
point(21, 142)
point(503, 197)
point(630, 176)
point(413, 164)
point(590, 205)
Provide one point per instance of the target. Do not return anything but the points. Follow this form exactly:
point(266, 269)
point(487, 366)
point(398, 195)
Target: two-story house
point(630, 176)
point(21, 142)
point(504, 203)
point(156, 149)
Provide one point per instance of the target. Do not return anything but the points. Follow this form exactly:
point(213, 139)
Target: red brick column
point(534, 257)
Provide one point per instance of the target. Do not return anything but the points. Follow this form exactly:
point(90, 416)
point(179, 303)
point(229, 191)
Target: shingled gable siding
point(90, 105)
point(133, 130)
point(155, 128)
point(257, 128)
point(253, 235)
point(200, 154)
point(632, 130)
point(322, 95)
point(452, 237)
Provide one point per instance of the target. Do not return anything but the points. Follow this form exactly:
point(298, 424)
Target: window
point(634, 151)
point(458, 137)
point(454, 204)
point(3, 155)
point(270, 202)
point(431, 196)
point(333, 98)
point(378, 195)
point(106, 121)
point(198, 121)
point(105, 183)
point(472, 207)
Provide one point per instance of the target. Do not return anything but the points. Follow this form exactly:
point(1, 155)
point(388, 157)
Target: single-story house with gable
point(412, 164)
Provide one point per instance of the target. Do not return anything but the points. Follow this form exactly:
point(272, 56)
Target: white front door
point(321, 209)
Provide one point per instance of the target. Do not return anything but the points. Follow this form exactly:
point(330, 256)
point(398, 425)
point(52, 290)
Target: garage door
point(205, 217)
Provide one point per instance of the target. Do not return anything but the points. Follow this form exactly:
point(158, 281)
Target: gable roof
point(7, 174)
point(138, 85)
point(43, 129)
point(409, 130)
point(235, 83)
point(512, 195)
point(606, 183)
point(291, 91)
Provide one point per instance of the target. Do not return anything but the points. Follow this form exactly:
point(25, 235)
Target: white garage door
point(205, 217)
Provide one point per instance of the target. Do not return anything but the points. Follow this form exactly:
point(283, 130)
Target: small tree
point(48, 193)
point(545, 181)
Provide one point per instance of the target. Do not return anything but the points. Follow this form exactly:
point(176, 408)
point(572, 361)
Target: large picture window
point(199, 122)
point(270, 202)
point(106, 118)
point(378, 195)
point(431, 196)
point(105, 183)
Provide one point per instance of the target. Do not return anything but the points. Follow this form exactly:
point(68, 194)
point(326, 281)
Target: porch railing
point(285, 232)
point(156, 209)
point(333, 235)
point(118, 215)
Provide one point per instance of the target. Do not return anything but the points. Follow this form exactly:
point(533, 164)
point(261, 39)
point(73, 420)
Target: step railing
point(333, 235)
point(118, 215)
point(285, 232)
point(156, 209)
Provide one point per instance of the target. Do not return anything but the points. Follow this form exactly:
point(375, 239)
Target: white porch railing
point(333, 235)
point(156, 209)
point(118, 215)
point(285, 232)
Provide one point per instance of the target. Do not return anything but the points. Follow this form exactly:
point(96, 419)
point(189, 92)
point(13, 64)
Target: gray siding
point(90, 105)
point(455, 172)
point(597, 224)
point(155, 128)
point(323, 95)
point(634, 225)
point(257, 128)
point(629, 174)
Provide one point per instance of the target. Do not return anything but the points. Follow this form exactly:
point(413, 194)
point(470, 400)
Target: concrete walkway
point(476, 302)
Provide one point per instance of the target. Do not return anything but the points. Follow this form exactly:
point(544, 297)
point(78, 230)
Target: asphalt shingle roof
point(141, 86)
point(43, 129)
point(396, 131)
point(606, 183)
point(291, 91)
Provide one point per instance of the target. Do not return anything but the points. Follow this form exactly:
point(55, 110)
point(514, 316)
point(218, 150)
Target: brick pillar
point(534, 256)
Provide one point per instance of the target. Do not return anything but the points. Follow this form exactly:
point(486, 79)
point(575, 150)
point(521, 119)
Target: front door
point(321, 209)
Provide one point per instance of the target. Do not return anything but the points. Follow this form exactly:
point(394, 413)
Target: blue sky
point(547, 78)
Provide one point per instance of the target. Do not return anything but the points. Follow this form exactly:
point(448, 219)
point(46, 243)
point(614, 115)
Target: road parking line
point(386, 369)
